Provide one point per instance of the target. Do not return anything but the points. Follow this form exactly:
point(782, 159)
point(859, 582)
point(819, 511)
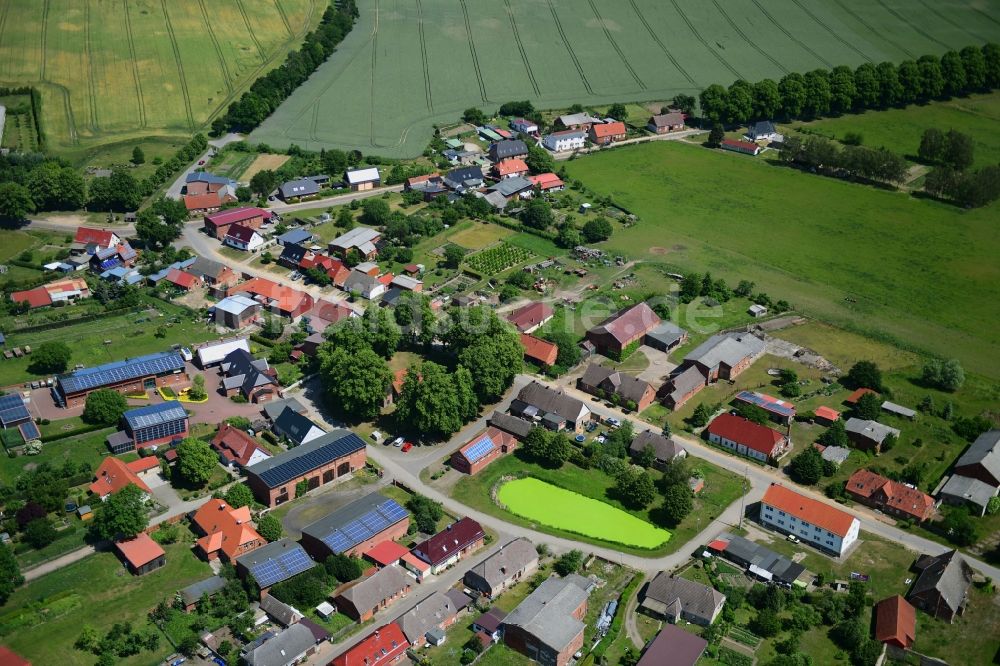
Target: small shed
point(435, 637)
point(326, 610)
point(756, 311)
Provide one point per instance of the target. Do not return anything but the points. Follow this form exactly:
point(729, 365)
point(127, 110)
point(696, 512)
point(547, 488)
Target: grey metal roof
point(512, 424)
point(302, 187)
point(968, 489)
point(665, 448)
point(496, 200)
point(295, 236)
point(152, 415)
point(427, 615)
point(984, 451)
point(748, 552)
point(355, 238)
point(513, 557)
point(286, 466)
point(667, 332)
point(551, 401)
point(694, 598)
point(893, 408)
point(274, 408)
point(508, 187)
point(279, 610)
point(546, 613)
point(947, 573)
point(192, 593)
point(836, 454)
point(728, 348)
point(236, 304)
point(120, 371)
point(372, 591)
point(358, 521)
point(282, 649)
point(873, 430)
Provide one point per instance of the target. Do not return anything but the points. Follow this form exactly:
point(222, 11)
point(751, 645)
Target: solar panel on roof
point(110, 373)
point(360, 529)
point(300, 464)
point(152, 415)
point(11, 400)
point(30, 431)
point(16, 413)
point(281, 567)
point(480, 449)
point(767, 402)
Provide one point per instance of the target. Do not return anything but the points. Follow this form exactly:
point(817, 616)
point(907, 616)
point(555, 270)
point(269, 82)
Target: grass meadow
point(117, 70)
point(407, 66)
point(914, 270)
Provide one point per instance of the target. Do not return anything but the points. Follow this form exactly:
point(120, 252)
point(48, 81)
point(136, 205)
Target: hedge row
point(82, 430)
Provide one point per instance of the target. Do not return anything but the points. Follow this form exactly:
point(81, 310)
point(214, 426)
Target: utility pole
point(743, 498)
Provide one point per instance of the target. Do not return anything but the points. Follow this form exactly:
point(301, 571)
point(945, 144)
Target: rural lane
point(336, 200)
point(174, 191)
point(673, 136)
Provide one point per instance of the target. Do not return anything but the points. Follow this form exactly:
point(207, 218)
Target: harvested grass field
point(407, 65)
point(477, 236)
point(110, 70)
point(900, 129)
point(263, 162)
point(556, 507)
point(920, 271)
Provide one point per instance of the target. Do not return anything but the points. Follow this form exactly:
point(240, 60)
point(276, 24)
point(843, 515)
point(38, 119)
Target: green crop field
point(114, 69)
point(409, 64)
point(921, 271)
point(563, 509)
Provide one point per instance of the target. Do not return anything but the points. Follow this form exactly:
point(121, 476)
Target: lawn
point(569, 511)
point(900, 129)
point(261, 163)
point(476, 235)
point(43, 619)
point(89, 448)
point(397, 74)
point(152, 69)
point(976, 633)
point(915, 270)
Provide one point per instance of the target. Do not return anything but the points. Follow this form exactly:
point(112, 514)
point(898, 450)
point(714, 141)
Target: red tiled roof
point(546, 181)
point(11, 658)
point(743, 431)
point(286, 298)
point(181, 279)
point(608, 129)
point(499, 438)
point(139, 550)
point(415, 562)
point(416, 180)
point(113, 475)
point(719, 545)
point(241, 233)
point(386, 553)
point(543, 351)
point(827, 413)
point(895, 621)
point(225, 528)
point(449, 541)
point(530, 315)
point(383, 646)
point(87, 235)
point(624, 326)
point(898, 495)
point(234, 215)
point(36, 298)
point(854, 397)
point(143, 464)
point(386, 279)
point(811, 511)
point(235, 445)
point(514, 165)
point(71, 284)
point(202, 201)
point(745, 145)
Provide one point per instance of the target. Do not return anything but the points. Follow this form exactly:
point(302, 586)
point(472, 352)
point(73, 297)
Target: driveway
point(323, 502)
point(659, 365)
point(174, 191)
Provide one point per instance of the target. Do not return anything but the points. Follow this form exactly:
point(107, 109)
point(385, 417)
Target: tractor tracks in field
point(872, 30)
point(89, 54)
point(253, 36)
point(569, 48)
point(227, 78)
point(472, 50)
point(836, 35)
point(371, 85)
point(428, 95)
point(44, 38)
point(746, 38)
point(614, 45)
point(944, 17)
point(520, 48)
point(914, 26)
point(284, 18)
point(805, 47)
point(180, 65)
point(4, 8)
point(663, 47)
point(135, 65)
point(704, 42)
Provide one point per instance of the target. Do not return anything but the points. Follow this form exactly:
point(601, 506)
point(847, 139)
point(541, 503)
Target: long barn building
point(133, 375)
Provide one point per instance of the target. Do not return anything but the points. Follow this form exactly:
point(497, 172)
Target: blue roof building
point(156, 424)
point(274, 563)
point(134, 374)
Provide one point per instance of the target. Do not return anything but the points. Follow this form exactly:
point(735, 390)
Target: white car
point(793, 538)
point(377, 436)
point(398, 441)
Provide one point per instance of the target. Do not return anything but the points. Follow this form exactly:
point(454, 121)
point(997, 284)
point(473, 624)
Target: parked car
point(591, 426)
point(793, 538)
point(406, 447)
point(377, 436)
point(612, 421)
point(398, 441)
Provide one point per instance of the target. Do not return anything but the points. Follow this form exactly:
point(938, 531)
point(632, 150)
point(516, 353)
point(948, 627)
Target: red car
point(406, 447)
point(201, 162)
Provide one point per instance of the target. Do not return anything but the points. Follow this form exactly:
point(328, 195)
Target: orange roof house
point(289, 302)
point(813, 521)
point(181, 279)
point(529, 317)
point(100, 237)
point(540, 351)
point(35, 298)
point(893, 497)
point(236, 447)
point(141, 553)
point(605, 133)
point(386, 553)
point(113, 475)
point(512, 167)
point(227, 532)
point(827, 414)
point(854, 397)
point(547, 182)
point(895, 622)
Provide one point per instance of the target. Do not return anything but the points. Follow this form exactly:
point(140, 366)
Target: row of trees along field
point(842, 90)
point(269, 91)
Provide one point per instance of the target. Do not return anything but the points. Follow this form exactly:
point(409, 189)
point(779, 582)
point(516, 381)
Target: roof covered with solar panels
point(276, 562)
point(479, 448)
point(281, 469)
point(13, 409)
point(120, 371)
point(152, 415)
point(357, 522)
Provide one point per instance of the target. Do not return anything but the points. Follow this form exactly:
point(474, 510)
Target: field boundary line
point(836, 35)
point(89, 53)
point(44, 38)
point(472, 49)
point(663, 47)
point(790, 36)
point(226, 76)
point(143, 121)
point(980, 11)
point(918, 30)
point(428, 95)
point(180, 65)
point(569, 48)
point(736, 26)
point(284, 18)
point(872, 30)
point(704, 42)
point(70, 116)
point(371, 85)
point(945, 18)
point(253, 35)
point(614, 44)
point(520, 47)
point(4, 9)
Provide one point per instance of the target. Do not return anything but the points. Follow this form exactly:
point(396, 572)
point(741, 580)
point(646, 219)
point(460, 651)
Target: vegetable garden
point(497, 259)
